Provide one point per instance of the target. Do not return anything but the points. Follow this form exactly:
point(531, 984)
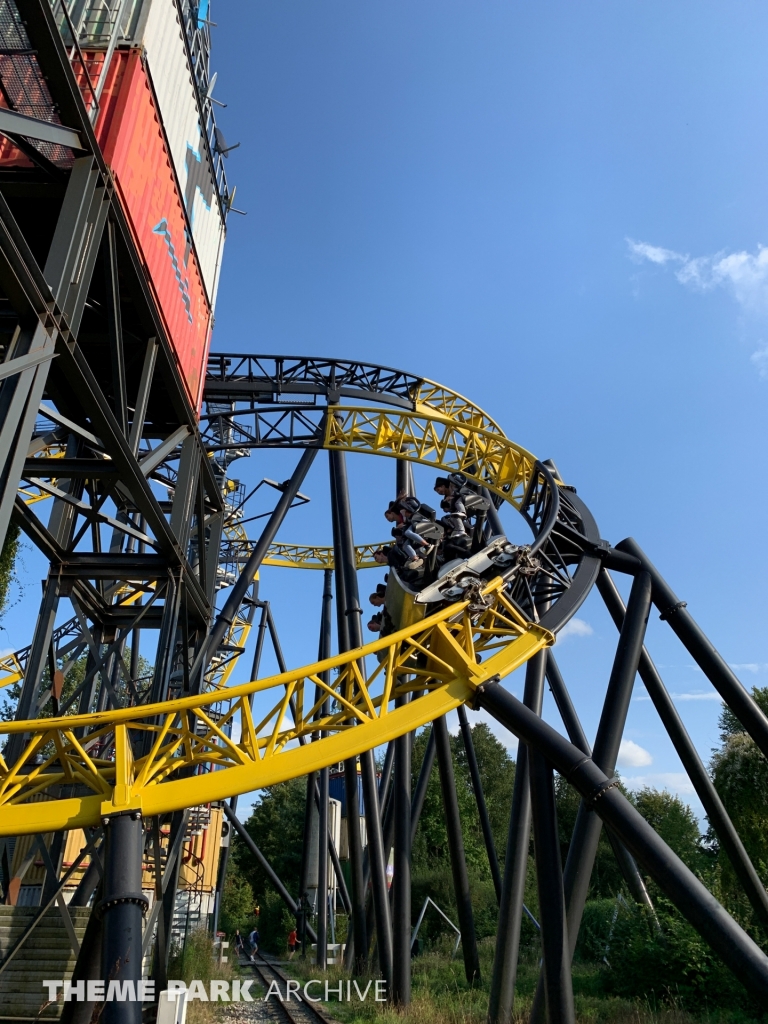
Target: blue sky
point(558, 210)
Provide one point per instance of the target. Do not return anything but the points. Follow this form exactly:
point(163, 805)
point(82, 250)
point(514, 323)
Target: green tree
point(674, 821)
point(431, 856)
point(740, 774)
point(237, 902)
point(8, 555)
point(277, 827)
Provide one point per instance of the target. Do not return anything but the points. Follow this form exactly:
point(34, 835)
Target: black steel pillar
point(386, 774)
point(122, 906)
point(224, 862)
point(549, 879)
point(165, 925)
point(324, 651)
point(87, 968)
point(234, 600)
point(274, 878)
point(346, 560)
point(26, 707)
point(586, 833)
point(306, 850)
point(357, 935)
point(576, 735)
point(422, 783)
point(401, 910)
point(502, 996)
point(456, 850)
point(697, 772)
point(700, 908)
point(482, 809)
point(709, 660)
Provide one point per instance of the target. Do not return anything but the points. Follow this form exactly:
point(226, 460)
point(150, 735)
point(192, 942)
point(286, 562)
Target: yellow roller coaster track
point(164, 757)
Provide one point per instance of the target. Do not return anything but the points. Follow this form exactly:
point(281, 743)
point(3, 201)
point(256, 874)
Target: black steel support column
point(35, 664)
point(700, 908)
point(576, 735)
point(309, 804)
point(695, 769)
point(502, 996)
point(482, 810)
point(401, 910)
point(586, 832)
point(87, 968)
point(165, 926)
point(122, 905)
point(255, 669)
point(227, 614)
point(274, 878)
point(456, 850)
point(710, 661)
point(324, 651)
point(345, 553)
point(549, 879)
point(422, 783)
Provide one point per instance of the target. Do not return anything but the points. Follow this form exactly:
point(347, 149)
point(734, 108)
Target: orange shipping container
point(131, 138)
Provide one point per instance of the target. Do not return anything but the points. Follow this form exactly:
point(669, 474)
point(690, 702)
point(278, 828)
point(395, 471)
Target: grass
point(196, 961)
point(441, 995)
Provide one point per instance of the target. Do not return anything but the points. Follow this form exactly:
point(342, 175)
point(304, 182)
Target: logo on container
point(163, 229)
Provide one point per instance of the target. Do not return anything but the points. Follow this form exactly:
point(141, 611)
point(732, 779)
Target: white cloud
point(632, 755)
point(760, 359)
point(695, 695)
point(744, 274)
point(748, 666)
point(707, 695)
point(675, 782)
point(640, 251)
point(576, 627)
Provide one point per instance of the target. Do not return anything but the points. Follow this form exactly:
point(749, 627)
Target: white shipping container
point(161, 33)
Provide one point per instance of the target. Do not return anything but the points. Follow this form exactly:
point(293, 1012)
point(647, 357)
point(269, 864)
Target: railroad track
point(296, 1010)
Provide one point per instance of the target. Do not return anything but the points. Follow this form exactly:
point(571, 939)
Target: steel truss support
point(586, 833)
point(482, 809)
point(502, 996)
point(401, 912)
point(398, 824)
point(422, 783)
point(274, 878)
point(576, 735)
point(324, 651)
point(227, 614)
point(556, 965)
point(456, 850)
point(344, 550)
point(691, 897)
point(695, 769)
point(709, 660)
point(255, 669)
point(121, 907)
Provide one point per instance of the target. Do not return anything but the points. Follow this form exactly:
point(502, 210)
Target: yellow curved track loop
point(180, 753)
point(441, 660)
point(314, 556)
point(461, 446)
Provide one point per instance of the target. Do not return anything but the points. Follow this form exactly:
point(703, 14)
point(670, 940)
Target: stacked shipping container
point(152, 122)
